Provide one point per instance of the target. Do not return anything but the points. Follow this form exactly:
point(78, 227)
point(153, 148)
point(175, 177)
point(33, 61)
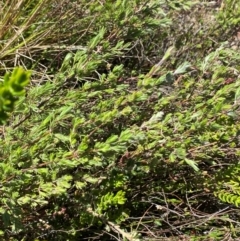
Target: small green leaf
point(80, 185)
point(112, 139)
point(126, 135)
point(172, 157)
point(182, 68)
point(192, 164)
point(156, 117)
point(90, 179)
point(24, 200)
point(62, 137)
point(237, 94)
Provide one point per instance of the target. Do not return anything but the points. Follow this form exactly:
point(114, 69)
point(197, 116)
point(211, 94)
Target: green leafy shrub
point(131, 133)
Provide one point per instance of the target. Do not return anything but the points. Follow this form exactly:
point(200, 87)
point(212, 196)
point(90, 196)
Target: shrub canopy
point(129, 128)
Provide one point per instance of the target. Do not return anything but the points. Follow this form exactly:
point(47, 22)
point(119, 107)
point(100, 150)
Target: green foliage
point(228, 15)
point(227, 185)
point(130, 128)
point(110, 200)
point(11, 89)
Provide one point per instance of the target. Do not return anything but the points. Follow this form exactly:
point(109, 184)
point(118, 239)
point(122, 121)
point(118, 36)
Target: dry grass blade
point(27, 25)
